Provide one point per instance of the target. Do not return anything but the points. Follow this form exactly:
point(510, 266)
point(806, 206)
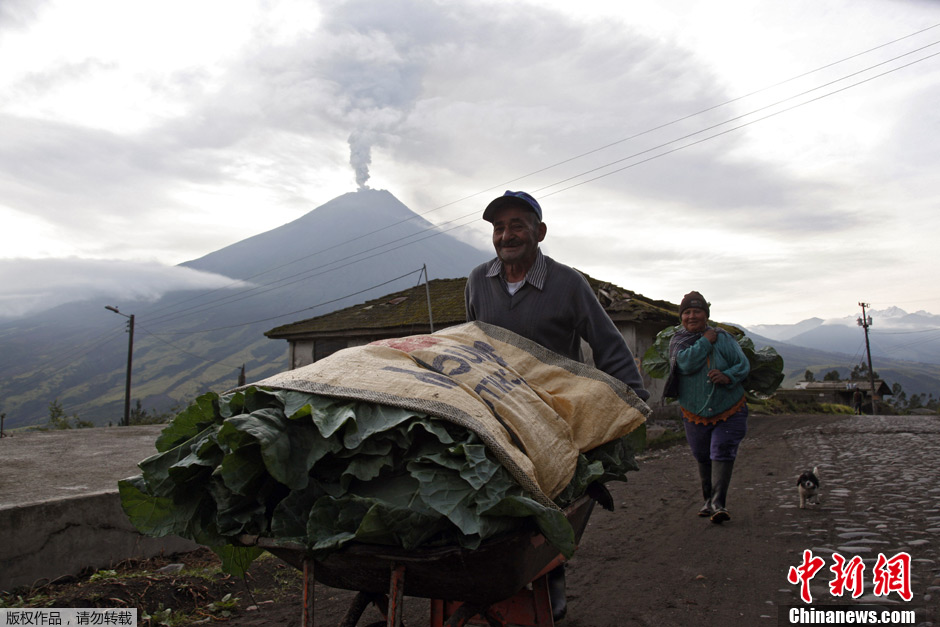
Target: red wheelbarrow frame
point(503, 581)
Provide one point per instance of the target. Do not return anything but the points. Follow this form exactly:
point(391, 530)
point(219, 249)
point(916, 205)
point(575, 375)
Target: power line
point(347, 242)
point(81, 351)
point(284, 282)
point(725, 132)
point(311, 273)
point(434, 232)
point(293, 313)
point(931, 330)
point(183, 350)
point(706, 110)
point(75, 408)
point(59, 363)
point(914, 343)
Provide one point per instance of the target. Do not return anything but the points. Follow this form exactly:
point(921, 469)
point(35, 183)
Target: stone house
point(839, 392)
point(405, 313)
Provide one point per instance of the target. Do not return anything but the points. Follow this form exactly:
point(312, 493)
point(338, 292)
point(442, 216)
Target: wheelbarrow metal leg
point(307, 618)
point(542, 602)
point(396, 593)
point(437, 612)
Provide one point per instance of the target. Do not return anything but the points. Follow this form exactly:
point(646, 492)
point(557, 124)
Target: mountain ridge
point(913, 377)
point(893, 334)
point(187, 343)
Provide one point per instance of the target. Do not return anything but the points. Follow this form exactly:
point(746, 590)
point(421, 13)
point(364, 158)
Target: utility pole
point(427, 291)
point(865, 322)
point(130, 354)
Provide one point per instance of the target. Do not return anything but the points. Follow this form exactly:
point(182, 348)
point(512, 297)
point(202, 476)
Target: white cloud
point(32, 285)
point(172, 131)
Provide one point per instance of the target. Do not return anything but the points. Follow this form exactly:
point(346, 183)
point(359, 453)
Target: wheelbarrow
point(503, 582)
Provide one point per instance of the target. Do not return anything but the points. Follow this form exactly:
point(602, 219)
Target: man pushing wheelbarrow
point(476, 444)
point(545, 301)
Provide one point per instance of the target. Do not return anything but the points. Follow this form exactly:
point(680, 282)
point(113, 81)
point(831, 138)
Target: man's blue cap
point(520, 199)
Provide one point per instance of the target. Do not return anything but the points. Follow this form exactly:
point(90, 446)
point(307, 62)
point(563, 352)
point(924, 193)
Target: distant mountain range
point(904, 349)
point(187, 343)
point(894, 334)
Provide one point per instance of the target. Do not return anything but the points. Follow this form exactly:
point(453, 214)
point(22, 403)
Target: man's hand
point(718, 377)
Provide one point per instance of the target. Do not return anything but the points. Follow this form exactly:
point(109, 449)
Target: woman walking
point(707, 368)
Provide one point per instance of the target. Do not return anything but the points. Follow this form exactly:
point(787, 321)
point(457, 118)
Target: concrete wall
point(45, 540)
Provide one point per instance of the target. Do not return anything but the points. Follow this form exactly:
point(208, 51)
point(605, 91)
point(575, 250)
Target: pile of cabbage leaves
point(324, 472)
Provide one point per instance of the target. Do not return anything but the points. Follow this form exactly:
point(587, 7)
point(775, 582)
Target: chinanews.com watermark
point(890, 579)
point(68, 617)
point(849, 615)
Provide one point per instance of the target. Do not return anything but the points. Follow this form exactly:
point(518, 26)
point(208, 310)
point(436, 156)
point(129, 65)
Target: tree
point(898, 395)
point(809, 376)
point(860, 373)
point(58, 419)
point(140, 416)
point(832, 375)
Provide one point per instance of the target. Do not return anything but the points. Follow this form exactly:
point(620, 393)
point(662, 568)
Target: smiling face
point(516, 236)
point(694, 320)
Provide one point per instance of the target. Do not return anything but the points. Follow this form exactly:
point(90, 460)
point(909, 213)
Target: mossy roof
point(401, 309)
point(409, 308)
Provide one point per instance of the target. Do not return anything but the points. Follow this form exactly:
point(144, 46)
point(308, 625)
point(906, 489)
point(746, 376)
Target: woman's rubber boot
point(556, 592)
point(705, 474)
point(721, 478)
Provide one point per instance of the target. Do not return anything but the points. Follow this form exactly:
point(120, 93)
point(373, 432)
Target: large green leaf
point(156, 469)
point(236, 559)
point(289, 518)
point(656, 357)
point(242, 470)
point(766, 373)
point(156, 516)
point(203, 412)
point(204, 455)
point(552, 523)
point(385, 523)
point(289, 448)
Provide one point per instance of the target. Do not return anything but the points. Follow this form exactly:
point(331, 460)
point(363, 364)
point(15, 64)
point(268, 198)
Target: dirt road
point(654, 562)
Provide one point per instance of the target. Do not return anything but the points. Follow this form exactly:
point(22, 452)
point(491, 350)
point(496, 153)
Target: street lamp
point(130, 354)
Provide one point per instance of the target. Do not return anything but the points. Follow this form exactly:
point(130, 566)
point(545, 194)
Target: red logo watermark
point(888, 575)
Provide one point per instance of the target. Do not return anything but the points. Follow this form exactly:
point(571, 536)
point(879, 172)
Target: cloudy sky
point(780, 157)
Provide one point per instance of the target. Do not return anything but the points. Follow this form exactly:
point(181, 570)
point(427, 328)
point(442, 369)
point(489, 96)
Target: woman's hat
point(694, 300)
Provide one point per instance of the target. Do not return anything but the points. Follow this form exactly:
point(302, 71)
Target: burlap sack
point(535, 409)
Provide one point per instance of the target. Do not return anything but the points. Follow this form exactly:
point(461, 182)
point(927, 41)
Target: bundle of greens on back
point(765, 376)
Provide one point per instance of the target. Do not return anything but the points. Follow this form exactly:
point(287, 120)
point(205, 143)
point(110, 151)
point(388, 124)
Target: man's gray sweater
point(555, 307)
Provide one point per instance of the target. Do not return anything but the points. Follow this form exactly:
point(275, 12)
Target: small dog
point(808, 485)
